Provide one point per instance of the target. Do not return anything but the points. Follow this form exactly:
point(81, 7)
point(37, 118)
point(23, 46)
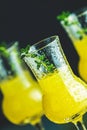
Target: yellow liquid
point(22, 101)
point(61, 99)
point(81, 47)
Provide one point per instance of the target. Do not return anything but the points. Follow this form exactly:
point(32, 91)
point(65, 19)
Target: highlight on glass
point(22, 95)
point(64, 94)
point(75, 24)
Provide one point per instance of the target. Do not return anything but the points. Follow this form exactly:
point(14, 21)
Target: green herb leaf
point(25, 50)
point(41, 60)
point(63, 15)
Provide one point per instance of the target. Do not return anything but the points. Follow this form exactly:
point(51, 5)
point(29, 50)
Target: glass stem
point(39, 126)
point(80, 125)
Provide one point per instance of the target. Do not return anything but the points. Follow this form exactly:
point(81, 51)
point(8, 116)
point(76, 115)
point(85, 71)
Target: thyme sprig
point(25, 50)
point(64, 17)
point(41, 60)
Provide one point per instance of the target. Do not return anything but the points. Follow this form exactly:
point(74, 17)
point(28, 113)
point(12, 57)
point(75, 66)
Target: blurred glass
point(75, 24)
point(22, 96)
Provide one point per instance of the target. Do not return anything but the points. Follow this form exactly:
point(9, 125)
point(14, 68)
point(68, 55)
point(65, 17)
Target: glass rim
point(82, 11)
point(46, 44)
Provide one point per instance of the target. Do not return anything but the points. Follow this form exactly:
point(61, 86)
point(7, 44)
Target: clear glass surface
point(22, 96)
point(64, 94)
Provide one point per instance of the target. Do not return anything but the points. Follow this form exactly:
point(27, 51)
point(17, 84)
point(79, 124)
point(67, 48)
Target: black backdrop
point(29, 21)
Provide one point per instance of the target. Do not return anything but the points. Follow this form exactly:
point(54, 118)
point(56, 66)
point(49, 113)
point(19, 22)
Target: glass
point(22, 96)
point(75, 24)
point(64, 94)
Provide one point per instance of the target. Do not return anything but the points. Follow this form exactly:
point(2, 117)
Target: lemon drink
point(64, 94)
point(75, 24)
point(22, 100)
point(81, 47)
point(22, 96)
point(63, 97)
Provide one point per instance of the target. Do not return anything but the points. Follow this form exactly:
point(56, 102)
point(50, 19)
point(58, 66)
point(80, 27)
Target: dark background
point(29, 21)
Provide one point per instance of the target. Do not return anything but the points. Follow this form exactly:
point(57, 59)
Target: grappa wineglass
point(22, 95)
point(64, 94)
point(75, 24)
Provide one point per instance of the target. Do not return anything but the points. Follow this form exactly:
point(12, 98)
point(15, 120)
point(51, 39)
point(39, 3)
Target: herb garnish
point(41, 60)
point(64, 17)
point(25, 50)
